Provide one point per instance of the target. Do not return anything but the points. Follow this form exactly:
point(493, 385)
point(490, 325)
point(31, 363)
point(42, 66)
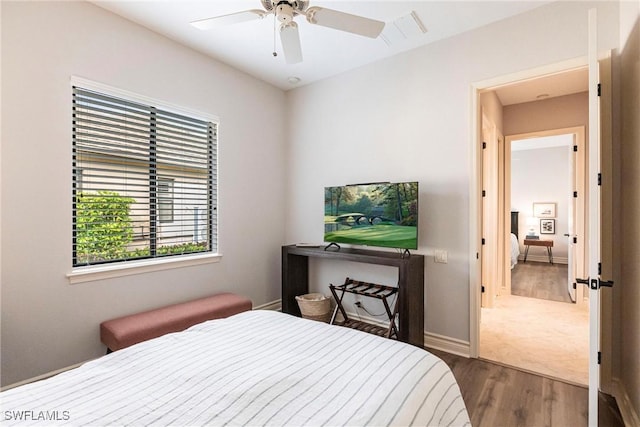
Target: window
point(144, 181)
point(165, 200)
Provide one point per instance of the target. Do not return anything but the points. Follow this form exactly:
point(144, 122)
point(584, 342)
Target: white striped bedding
point(254, 368)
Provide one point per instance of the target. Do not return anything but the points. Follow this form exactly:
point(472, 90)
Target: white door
point(571, 232)
point(593, 221)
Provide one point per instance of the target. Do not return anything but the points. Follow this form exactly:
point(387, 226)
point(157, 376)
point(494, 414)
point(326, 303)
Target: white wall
point(409, 118)
point(542, 175)
point(46, 322)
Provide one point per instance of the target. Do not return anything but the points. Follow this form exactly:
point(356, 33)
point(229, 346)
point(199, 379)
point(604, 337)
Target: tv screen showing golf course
point(381, 214)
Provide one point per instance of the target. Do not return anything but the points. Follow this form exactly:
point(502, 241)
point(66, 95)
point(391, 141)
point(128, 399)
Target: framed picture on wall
point(547, 226)
point(544, 210)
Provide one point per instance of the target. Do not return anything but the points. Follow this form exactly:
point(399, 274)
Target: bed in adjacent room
point(254, 368)
point(515, 245)
point(515, 250)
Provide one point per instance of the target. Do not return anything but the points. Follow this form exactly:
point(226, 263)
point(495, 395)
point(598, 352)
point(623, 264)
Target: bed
point(515, 245)
point(255, 368)
point(515, 250)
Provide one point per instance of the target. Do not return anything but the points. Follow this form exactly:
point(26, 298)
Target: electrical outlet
point(440, 256)
point(358, 304)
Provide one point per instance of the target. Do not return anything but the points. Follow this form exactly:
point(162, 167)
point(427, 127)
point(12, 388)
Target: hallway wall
point(555, 113)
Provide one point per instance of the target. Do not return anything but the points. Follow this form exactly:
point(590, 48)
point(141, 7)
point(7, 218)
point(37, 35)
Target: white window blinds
point(144, 181)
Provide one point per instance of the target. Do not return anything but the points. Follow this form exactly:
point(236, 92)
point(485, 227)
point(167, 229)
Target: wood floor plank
point(497, 395)
point(564, 404)
point(540, 280)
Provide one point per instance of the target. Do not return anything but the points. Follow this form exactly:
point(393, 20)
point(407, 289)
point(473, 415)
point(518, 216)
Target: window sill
point(99, 272)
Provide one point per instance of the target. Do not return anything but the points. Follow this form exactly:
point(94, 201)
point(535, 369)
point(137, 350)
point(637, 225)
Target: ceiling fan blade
point(291, 42)
point(344, 21)
point(232, 18)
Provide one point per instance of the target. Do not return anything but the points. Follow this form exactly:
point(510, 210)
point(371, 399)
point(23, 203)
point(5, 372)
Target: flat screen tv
point(380, 214)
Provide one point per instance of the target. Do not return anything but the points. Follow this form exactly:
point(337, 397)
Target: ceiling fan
point(285, 11)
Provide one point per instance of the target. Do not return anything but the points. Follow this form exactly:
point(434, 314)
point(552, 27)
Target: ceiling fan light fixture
point(284, 12)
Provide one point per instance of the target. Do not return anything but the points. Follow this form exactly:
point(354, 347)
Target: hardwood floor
point(540, 280)
point(496, 395)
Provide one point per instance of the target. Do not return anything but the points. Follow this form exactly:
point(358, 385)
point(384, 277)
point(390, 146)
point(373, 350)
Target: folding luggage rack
point(371, 290)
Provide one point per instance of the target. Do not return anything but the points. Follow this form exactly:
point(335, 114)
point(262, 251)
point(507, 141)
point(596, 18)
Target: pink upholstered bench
point(128, 330)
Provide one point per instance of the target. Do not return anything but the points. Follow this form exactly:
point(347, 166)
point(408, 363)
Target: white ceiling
point(248, 46)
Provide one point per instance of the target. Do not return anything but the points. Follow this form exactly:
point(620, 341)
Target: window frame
point(82, 273)
point(166, 200)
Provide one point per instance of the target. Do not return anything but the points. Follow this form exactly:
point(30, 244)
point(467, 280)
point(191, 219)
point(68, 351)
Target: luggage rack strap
point(367, 289)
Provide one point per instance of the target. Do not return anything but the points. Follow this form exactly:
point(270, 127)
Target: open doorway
point(540, 322)
point(542, 219)
point(530, 320)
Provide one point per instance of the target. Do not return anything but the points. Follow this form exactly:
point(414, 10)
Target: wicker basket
point(315, 306)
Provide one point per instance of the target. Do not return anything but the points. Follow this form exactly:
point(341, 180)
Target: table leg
point(526, 252)
point(550, 254)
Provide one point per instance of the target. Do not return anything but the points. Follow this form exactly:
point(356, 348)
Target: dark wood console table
point(295, 281)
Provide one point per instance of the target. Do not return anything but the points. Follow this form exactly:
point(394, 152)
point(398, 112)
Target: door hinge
point(575, 285)
point(599, 89)
point(484, 193)
point(484, 145)
point(599, 268)
point(575, 148)
point(599, 357)
point(575, 240)
point(483, 241)
point(575, 194)
point(477, 255)
point(482, 289)
point(599, 179)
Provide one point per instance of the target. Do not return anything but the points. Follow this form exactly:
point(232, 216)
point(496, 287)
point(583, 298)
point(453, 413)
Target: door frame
point(475, 183)
point(475, 200)
point(580, 162)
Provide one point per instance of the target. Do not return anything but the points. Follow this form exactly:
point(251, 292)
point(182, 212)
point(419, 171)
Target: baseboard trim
point(447, 344)
point(629, 414)
point(431, 340)
point(273, 305)
point(43, 376)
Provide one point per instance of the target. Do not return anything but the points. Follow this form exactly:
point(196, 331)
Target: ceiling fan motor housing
point(285, 10)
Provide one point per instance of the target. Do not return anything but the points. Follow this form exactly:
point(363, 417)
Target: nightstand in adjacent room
point(544, 243)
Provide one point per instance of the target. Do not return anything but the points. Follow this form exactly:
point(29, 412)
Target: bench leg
point(550, 254)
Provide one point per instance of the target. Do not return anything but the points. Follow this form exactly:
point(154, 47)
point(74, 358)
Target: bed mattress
point(254, 368)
